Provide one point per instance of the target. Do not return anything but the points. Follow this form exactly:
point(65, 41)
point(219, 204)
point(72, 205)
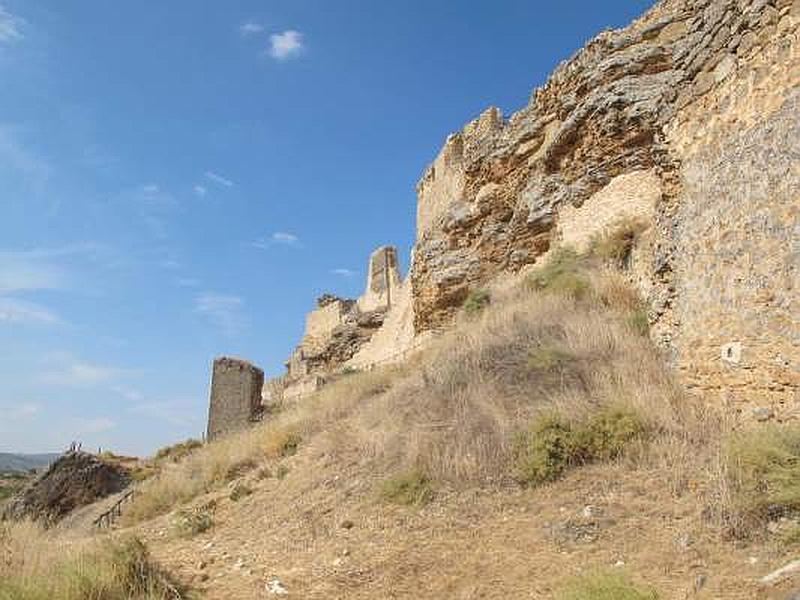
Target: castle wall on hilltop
point(686, 119)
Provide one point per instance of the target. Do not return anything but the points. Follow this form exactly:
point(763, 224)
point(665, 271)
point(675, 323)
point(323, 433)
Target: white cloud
point(64, 370)
point(286, 45)
point(43, 268)
point(24, 411)
point(279, 237)
point(250, 28)
point(169, 412)
point(16, 157)
point(219, 179)
point(283, 237)
point(224, 311)
point(343, 272)
point(187, 282)
point(92, 425)
point(10, 27)
point(13, 311)
point(200, 190)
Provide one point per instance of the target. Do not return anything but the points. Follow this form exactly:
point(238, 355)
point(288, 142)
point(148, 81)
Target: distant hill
point(25, 462)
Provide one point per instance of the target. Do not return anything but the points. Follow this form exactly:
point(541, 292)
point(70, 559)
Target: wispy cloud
point(19, 160)
point(10, 26)
point(250, 28)
point(200, 190)
point(45, 268)
point(169, 412)
point(82, 425)
point(24, 411)
point(283, 238)
point(64, 370)
point(187, 282)
point(343, 272)
point(223, 310)
point(285, 45)
point(15, 311)
point(219, 179)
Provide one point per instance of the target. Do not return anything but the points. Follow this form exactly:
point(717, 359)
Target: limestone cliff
point(687, 118)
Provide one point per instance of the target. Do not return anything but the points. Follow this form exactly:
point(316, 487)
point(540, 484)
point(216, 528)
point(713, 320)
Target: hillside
point(24, 462)
point(584, 389)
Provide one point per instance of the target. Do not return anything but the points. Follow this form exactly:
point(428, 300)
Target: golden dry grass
point(455, 412)
point(42, 565)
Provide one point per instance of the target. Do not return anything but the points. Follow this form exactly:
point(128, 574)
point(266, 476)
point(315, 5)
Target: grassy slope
point(325, 529)
point(407, 482)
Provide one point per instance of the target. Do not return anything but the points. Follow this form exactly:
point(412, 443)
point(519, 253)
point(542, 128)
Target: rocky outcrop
point(76, 479)
point(687, 118)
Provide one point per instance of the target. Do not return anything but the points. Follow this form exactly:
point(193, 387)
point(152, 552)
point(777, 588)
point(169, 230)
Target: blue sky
point(180, 180)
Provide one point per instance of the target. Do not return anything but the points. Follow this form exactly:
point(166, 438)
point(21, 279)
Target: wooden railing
point(108, 518)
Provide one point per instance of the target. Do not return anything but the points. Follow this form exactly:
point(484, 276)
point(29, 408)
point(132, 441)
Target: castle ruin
point(235, 396)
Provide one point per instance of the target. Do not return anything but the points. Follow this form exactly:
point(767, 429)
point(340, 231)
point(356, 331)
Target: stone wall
point(686, 118)
point(735, 225)
point(235, 396)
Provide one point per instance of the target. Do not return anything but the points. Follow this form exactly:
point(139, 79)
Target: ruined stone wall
point(735, 226)
point(383, 280)
point(235, 396)
point(687, 117)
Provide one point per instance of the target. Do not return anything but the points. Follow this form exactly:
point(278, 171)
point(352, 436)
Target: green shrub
point(239, 491)
point(763, 466)
point(605, 586)
point(192, 521)
point(545, 451)
point(412, 488)
point(553, 444)
point(115, 570)
point(561, 275)
point(476, 301)
point(605, 435)
point(281, 472)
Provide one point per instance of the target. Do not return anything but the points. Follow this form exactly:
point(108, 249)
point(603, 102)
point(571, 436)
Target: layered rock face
point(688, 119)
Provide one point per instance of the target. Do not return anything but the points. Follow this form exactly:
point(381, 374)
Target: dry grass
point(37, 565)
point(553, 346)
point(758, 479)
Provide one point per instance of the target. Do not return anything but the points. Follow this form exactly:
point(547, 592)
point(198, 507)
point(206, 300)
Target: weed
point(411, 488)
point(239, 491)
point(638, 321)
point(562, 274)
point(192, 521)
point(476, 301)
point(547, 359)
point(763, 470)
point(605, 586)
point(615, 245)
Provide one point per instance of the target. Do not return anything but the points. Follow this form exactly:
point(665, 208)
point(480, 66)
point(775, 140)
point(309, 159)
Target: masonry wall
point(737, 230)
point(235, 396)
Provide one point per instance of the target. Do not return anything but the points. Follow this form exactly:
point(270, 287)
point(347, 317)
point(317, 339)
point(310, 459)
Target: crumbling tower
point(235, 397)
